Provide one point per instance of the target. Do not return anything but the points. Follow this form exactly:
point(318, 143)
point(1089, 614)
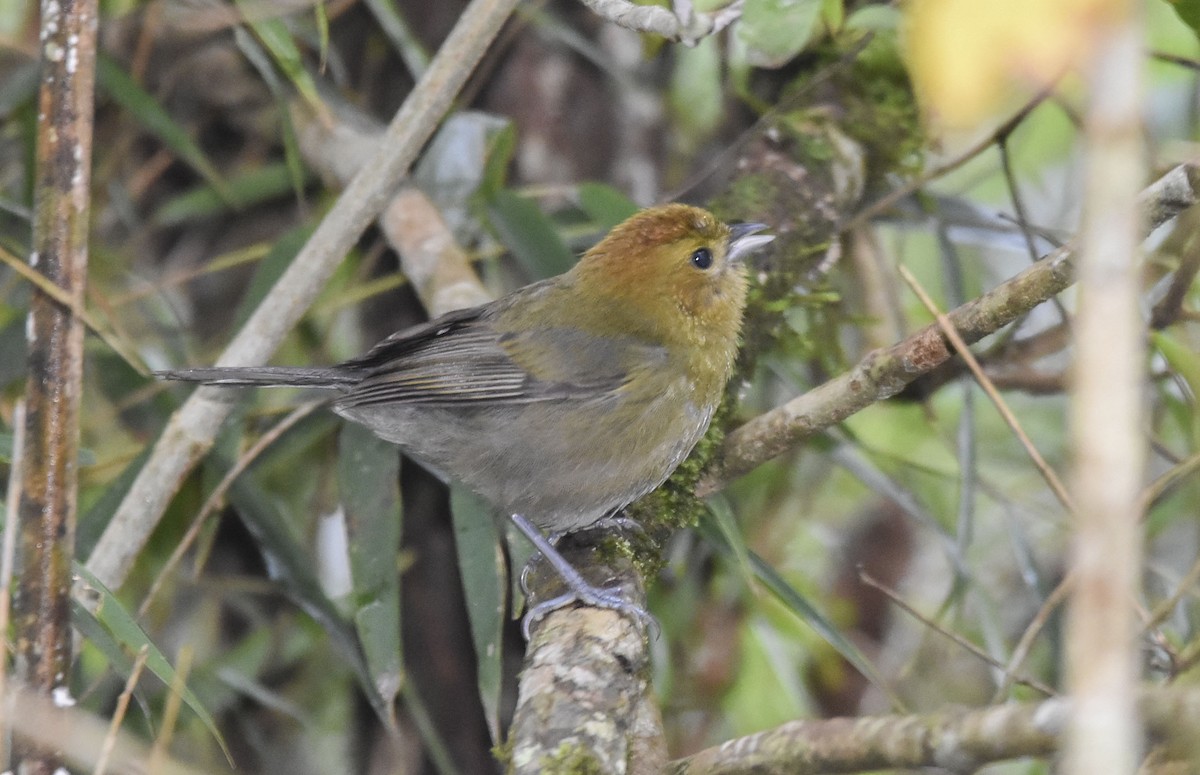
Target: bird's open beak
point(744, 239)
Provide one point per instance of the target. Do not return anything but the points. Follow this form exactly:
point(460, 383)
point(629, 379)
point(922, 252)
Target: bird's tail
point(264, 376)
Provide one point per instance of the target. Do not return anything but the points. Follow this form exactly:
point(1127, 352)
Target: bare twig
point(192, 429)
point(1106, 415)
point(1010, 419)
point(1029, 637)
point(1167, 310)
point(961, 641)
point(55, 376)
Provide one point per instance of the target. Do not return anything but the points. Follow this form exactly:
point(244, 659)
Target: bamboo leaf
point(117, 84)
point(129, 634)
point(484, 576)
point(369, 484)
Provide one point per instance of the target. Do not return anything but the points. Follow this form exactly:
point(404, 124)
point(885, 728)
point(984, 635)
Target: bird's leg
point(579, 589)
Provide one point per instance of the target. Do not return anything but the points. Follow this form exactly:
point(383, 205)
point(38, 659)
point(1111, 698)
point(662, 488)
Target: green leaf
point(604, 204)
point(1188, 11)
point(321, 17)
point(261, 61)
point(529, 234)
point(1185, 362)
point(721, 514)
point(697, 97)
point(400, 35)
point(369, 485)
point(117, 84)
point(500, 152)
point(261, 184)
point(774, 31)
point(276, 38)
point(291, 566)
point(484, 577)
point(794, 601)
point(129, 634)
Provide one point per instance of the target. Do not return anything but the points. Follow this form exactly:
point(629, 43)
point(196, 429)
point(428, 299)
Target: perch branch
point(954, 740)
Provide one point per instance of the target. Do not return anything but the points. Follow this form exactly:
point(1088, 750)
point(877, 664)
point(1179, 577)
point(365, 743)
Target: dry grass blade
point(953, 636)
point(158, 754)
point(47, 286)
point(110, 741)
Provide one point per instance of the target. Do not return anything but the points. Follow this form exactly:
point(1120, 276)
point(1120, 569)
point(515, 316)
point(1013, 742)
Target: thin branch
point(884, 372)
point(1168, 308)
point(1029, 637)
point(191, 431)
point(961, 641)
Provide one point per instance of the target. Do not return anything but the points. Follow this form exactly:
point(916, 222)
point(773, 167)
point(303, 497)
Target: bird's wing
point(463, 358)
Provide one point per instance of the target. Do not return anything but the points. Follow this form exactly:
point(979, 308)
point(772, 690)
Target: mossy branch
point(956, 740)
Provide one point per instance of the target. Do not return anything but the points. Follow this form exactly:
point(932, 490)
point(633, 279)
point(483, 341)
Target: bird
point(569, 398)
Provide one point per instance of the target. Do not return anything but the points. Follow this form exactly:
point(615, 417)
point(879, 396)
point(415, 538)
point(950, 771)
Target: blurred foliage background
point(332, 587)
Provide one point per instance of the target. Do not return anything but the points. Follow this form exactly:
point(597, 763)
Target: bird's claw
point(595, 597)
point(579, 590)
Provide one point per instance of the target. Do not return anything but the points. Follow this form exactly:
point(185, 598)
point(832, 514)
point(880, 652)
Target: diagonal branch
point(884, 372)
point(191, 430)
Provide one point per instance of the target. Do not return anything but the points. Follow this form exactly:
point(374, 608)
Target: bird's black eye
point(702, 258)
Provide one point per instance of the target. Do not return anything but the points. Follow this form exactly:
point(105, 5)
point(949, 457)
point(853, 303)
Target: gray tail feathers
point(265, 376)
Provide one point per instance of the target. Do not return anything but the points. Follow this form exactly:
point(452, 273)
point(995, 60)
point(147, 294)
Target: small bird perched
point(569, 398)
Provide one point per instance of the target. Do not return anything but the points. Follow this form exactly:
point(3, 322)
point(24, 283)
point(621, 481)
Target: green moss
point(502, 753)
point(881, 108)
point(571, 759)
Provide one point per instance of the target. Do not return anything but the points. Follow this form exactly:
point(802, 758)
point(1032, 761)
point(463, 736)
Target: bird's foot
point(596, 597)
point(579, 590)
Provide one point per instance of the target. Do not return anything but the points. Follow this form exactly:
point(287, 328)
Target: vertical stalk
point(55, 334)
point(1107, 431)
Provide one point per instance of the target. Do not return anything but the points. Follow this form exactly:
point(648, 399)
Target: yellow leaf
point(969, 58)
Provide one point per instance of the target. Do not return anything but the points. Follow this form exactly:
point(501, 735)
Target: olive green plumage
point(570, 397)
